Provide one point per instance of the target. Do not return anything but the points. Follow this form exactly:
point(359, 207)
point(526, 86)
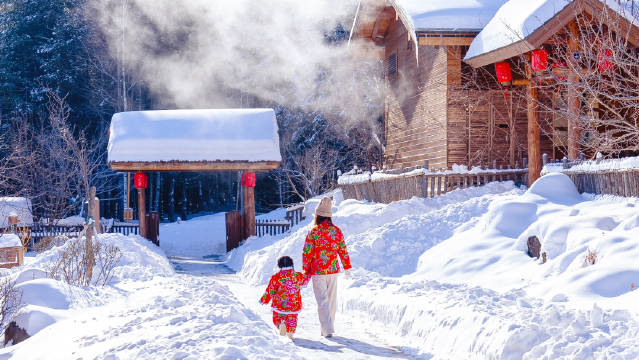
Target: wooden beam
point(534, 149)
point(194, 165)
point(572, 96)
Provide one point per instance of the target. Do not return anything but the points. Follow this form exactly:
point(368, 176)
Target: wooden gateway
point(443, 107)
point(244, 140)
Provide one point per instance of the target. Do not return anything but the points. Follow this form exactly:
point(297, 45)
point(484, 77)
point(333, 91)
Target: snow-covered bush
point(74, 266)
point(10, 301)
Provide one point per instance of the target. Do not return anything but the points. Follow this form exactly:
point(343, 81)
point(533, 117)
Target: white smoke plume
point(197, 53)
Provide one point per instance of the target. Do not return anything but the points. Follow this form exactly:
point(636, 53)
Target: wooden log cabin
point(578, 61)
point(439, 110)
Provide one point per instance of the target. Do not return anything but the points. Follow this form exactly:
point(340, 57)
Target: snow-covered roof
point(9, 240)
point(514, 21)
point(517, 20)
point(449, 15)
point(18, 206)
point(218, 135)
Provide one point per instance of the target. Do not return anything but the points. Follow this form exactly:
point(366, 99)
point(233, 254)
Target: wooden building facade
point(442, 108)
point(434, 114)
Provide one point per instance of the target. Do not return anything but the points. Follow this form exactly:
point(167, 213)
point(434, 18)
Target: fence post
point(544, 159)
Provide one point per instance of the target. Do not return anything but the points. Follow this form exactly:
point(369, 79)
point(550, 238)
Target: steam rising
point(203, 53)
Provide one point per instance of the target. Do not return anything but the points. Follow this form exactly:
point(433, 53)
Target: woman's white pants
point(325, 289)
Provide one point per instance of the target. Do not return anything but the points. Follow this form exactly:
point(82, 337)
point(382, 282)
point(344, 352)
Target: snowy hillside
point(441, 278)
point(450, 276)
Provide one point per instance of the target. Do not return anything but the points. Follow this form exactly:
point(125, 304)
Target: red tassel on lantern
point(539, 60)
point(139, 180)
point(504, 76)
point(604, 60)
point(561, 65)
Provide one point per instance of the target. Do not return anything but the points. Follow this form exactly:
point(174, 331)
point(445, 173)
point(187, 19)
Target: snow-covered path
point(351, 341)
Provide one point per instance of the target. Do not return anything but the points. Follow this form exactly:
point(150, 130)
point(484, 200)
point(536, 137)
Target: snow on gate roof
point(197, 140)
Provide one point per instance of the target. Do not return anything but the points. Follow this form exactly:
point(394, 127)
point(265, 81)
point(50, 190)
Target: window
point(392, 64)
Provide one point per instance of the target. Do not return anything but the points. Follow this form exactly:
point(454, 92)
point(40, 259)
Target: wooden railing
point(294, 214)
point(613, 177)
point(386, 188)
point(271, 227)
point(38, 231)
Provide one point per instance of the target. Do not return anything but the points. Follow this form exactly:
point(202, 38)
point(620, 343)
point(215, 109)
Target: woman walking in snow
point(323, 245)
point(284, 289)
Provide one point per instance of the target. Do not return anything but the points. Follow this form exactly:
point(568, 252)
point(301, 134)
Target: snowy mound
point(556, 187)
point(387, 239)
point(140, 258)
point(9, 240)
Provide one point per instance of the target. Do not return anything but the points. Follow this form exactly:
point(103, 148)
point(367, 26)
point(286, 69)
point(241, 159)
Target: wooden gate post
point(142, 211)
point(248, 197)
point(249, 210)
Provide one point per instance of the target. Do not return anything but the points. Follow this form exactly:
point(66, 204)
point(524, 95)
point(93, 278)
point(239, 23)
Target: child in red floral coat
point(284, 289)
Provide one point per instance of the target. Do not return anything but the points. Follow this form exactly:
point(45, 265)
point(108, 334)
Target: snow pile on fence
point(15, 206)
point(353, 177)
point(194, 135)
point(451, 277)
point(592, 166)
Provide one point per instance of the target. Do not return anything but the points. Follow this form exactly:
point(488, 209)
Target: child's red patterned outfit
point(284, 290)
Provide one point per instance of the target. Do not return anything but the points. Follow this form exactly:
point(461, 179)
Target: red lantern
point(504, 76)
point(139, 180)
point(539, 60)
point(248, 179)
point(604, 60)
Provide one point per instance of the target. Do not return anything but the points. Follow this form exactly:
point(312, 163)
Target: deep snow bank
point(387, 239)
point(468, 289)
point(47, 301)
point(568, 225)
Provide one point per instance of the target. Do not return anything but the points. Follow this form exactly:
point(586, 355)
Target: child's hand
point(347, 273)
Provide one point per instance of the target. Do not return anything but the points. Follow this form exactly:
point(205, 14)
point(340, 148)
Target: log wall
point(415, 103)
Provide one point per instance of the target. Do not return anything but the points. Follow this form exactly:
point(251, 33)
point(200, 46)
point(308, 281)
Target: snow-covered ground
point(197, 237)
point(440, 278)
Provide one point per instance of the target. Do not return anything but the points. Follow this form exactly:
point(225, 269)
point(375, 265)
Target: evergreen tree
point(41, 47)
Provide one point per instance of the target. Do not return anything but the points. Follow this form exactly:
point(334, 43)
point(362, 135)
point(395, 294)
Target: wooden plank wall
point(479, 127)
point(415, 103)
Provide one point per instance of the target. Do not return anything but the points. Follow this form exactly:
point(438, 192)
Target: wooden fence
point(599, 176)
point(386, 188)
point(38, 231)
point(294, 214)
point(272, 227)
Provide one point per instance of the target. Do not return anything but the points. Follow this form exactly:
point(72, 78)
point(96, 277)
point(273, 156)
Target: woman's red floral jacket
point(324, 243)
point(284, 289)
